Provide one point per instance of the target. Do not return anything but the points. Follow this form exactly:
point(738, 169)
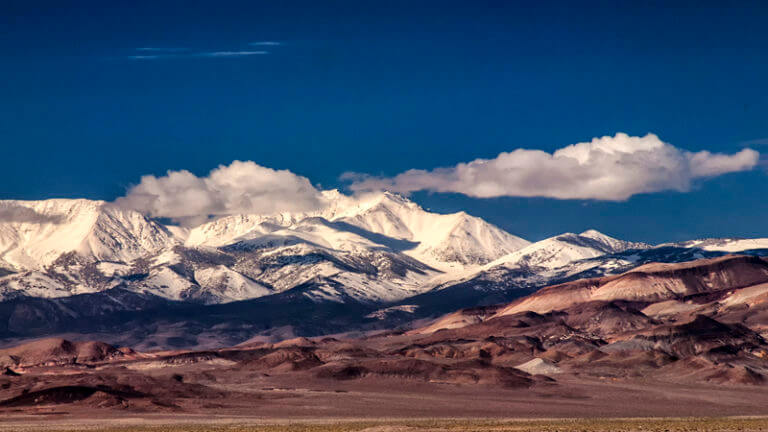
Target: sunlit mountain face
point(358, 253)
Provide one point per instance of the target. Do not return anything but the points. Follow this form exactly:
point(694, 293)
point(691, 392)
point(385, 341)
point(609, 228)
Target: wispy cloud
point(155, 53)
point(162, 50)
point(144, 57)
point(232, 53)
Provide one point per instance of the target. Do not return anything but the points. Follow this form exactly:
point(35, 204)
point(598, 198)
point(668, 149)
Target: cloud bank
point(608, 168)
point(237, 188)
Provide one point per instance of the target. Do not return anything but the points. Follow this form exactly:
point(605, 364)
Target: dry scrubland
point(564, 425)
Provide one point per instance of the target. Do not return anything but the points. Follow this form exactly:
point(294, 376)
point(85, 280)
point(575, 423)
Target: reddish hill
point(57, 351)
point(635, 323)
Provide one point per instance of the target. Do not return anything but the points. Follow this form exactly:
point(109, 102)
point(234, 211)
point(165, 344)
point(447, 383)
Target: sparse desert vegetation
point(742, 424)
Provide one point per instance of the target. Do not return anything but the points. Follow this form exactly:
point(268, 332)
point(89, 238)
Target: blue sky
point(384, 87)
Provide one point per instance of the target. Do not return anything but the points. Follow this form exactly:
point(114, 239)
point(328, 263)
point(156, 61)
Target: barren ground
point(743, 424)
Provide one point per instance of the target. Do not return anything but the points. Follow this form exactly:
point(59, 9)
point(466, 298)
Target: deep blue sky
point(381, 87)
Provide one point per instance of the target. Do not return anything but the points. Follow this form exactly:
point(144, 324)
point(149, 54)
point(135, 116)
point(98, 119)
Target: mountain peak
point(563, 249)
point(443, 241)
point(393, 198)
point(33, 234)
point(613, 244)
point(593, 233)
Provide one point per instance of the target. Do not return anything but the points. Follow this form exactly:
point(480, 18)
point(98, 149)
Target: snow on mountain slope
point(32, 284)
point(549, 260)
point(589, 254)
point(353, 242)
point(166, 283)
point(444, 241)
point(285, 267)
point(224, 285)
point(384, 221)
point(613, 245)
point(365, 288)
point(564, 249)
point(201, 275)
point(231, 229)
point(367, 275)
point(725, 244)
point(39, 232)
point(314, 231)
point(378, 247)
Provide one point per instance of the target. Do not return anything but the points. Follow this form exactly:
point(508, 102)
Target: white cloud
point(265, 43)
point(241, 187)
point(607, 168)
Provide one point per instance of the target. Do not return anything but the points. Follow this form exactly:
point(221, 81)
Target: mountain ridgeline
point(360, 263)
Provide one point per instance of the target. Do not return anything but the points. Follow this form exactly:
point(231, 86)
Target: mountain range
point(360, 263)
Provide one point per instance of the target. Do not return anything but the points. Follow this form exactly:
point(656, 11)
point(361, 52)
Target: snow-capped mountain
point(377, 248)
point(382, 221)
point(547, 260)
point(374, 260)
point(443, 241)
point(590, 254)
point(563, 249)
point(723, 245)
point(34, 234)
